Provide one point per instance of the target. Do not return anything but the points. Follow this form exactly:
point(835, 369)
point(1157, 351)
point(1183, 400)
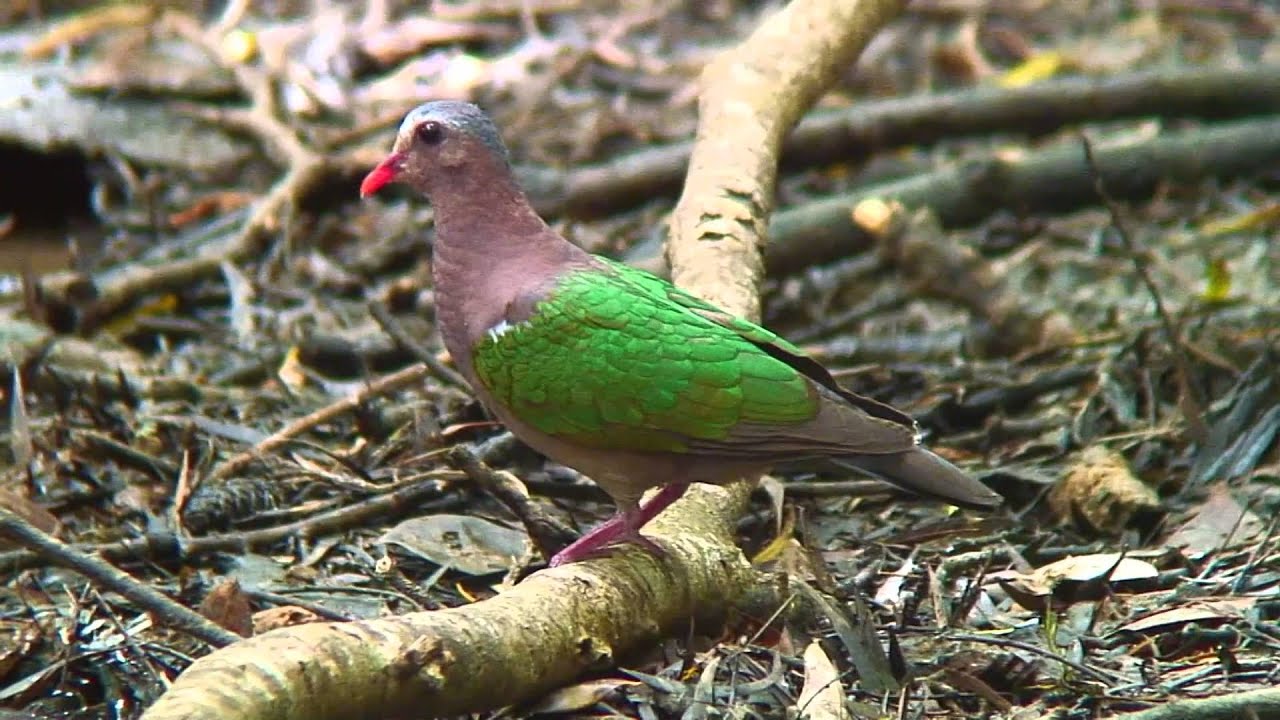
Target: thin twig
point(1194, 414)
point(285, 435)
point(1043, 652)
point(549, 534)
point(103, 575)
point(389, 325)
point(419, 496)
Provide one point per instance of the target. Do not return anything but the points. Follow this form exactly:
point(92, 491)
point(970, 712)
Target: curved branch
point(539, 635)
point(751, 98)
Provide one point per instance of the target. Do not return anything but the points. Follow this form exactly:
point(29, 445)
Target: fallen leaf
point(468, 544)
point(18, 640)
point(1075, 578)
point(822, 696)
point(1038, 67)
point(292, 372)
point(283, 616)
point(1218, 520)
point(212, 204)
point(579, 697)
point(228, 606)
point(1197, 611)
point(34, 513)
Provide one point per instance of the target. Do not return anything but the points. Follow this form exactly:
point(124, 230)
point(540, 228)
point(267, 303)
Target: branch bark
point(848, 134)
point(1046, 181)
point(541, 634)
point(751, 98)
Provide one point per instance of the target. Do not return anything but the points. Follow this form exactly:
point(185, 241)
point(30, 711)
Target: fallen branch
point(934, 266)
point(541, 634)
point(166, 610)
point(417, 496)
point(1263, 704)
point(851, 133)
point(1048, 181)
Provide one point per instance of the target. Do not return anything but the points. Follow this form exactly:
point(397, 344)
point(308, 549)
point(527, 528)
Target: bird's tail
point(921, 472)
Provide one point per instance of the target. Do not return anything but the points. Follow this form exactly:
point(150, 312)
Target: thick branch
point(1051, 180)
point(850, 133)
point(542, 633)
point(752, 96)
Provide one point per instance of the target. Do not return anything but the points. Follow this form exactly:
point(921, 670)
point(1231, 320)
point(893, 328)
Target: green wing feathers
point(617, 358)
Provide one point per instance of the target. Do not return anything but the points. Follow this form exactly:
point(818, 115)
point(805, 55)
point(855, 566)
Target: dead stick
point(103, 575)
point(417, 496)
point(1192, 400)
point(850, 133)
point(390, 383)
point(1263, 703)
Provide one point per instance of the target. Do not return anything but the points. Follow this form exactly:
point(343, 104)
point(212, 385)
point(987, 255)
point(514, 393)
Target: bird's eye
point(430, 132)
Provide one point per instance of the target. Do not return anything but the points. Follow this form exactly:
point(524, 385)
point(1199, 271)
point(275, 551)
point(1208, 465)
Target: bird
point(618, 373)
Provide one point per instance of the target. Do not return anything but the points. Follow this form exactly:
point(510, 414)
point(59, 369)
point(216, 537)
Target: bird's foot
point(601, 540)
point(623, 527)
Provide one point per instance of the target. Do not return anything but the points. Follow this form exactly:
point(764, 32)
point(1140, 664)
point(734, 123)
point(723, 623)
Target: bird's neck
point(491, 250)
point(480, 222)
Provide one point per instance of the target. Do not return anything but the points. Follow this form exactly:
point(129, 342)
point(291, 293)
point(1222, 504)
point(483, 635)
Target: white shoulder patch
point(502, 328)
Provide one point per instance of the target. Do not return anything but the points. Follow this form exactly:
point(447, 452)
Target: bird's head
point(436, 144)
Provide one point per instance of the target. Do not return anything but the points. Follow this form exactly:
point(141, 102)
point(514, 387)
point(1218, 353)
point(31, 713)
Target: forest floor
point(191, 293)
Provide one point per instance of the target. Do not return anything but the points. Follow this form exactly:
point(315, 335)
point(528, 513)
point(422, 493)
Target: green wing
point(617, 358)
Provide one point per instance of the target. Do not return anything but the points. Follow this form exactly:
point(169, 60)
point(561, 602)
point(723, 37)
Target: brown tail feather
point(924, 473)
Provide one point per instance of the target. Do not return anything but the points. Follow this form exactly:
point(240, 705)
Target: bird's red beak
point(381, 175)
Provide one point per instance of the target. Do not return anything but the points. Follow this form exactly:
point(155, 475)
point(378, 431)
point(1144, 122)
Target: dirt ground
point(221, 373)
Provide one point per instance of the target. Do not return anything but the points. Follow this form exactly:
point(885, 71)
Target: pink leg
point(623, 527)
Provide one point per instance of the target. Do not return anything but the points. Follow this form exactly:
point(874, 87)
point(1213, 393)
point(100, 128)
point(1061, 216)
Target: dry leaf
point(579, 697)
point(1197, 611)
point(1038, 67)
point(284, 616)
point(34, 513)
point(1218, 520)
point(228, 606)
point(18, 640)
point(822, 697)
point(1080, 577)
point(468, 544)
point(291, 371)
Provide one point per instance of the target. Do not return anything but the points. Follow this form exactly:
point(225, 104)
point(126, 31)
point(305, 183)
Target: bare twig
point(412, 496)
point(1264, 703)
point(1081, 668)
point(547, 533)
point(161, 606)
point(285, 435)
point(442, 372)
point(1191, 399)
